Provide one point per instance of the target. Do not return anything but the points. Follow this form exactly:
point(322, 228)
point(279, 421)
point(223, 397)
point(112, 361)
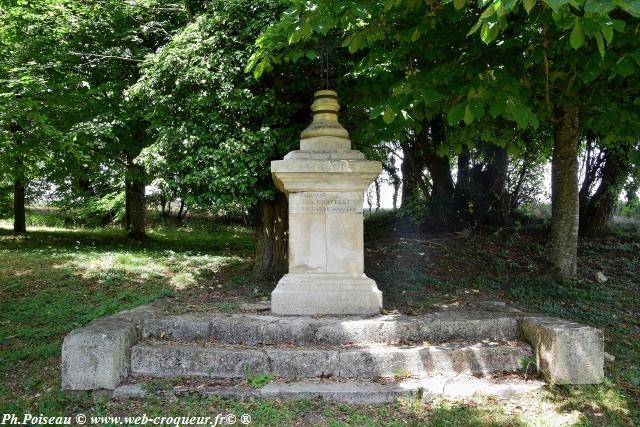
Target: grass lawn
point(55, 279)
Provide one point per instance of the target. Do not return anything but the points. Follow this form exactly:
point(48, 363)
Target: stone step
point(373, 361)
point(354, 392)
point(256, 329)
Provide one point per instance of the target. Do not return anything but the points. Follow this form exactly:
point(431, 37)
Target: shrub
point(631, 209)
point(6, 202)
point(103, 210)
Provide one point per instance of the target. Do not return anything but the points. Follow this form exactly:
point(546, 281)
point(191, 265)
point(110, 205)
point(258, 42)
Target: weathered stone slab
point(566, 352)
point(374, 362)
point(237, 330)
point(295, 364)
point(128, 391)
point(360, 392)
point(254, 329)
point(97, 355)
point(421, 361)
point(336, 294)
point(179, 328)
point(365, 392)
point(356, 391)
point(191, 360)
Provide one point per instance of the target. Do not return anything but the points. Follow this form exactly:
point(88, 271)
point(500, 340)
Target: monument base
point(312, 294)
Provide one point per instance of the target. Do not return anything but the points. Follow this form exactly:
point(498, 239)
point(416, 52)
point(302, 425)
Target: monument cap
point(325, 133)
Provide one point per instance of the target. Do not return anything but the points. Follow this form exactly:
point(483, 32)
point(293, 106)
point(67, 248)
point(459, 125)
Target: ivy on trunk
point(272, 231)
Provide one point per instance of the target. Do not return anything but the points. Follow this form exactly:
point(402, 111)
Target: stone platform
point(348, 358)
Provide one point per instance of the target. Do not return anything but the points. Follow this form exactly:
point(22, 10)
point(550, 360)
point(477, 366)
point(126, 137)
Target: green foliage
point(555, 53)
point(64, 115)
point(6, 200)
point(216, 129)
point(28, 87)
point(101, 211)
point(256, 380)
point(631, 209)
point(61, 279)
point(38, 218)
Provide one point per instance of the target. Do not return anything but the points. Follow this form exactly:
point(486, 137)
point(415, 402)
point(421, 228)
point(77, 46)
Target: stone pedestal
point(325, 182)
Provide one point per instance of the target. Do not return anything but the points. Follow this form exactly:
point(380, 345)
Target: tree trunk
point(394, 180)
point(408, 177)
point(376, 182)
point(563, 251)
point(438, 166)
point(180, 217)
point(19, 217)
point(127, 204)
point(163, 206)
point(495, 200)
point(440, 173)
point(514, 199)
point(462, 180)
point(138, 209)
point(596, 212)
point(272, 230)
point(396, 188)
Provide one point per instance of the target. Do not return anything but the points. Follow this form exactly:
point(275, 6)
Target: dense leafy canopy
point(216, 128)
point(543, 66)
point(473, 97)
point(536, 58)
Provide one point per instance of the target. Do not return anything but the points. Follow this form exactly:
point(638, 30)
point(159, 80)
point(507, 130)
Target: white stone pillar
point(325, 182)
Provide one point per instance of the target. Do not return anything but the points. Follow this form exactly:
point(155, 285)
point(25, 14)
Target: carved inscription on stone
point(315, 202)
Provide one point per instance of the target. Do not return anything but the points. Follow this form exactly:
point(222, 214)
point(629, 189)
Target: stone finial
point(325, 133)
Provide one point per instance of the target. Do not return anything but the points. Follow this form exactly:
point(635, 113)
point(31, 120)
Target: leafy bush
point(102, 211)
point(631, 209)
point(5, 204)
point(45, 218)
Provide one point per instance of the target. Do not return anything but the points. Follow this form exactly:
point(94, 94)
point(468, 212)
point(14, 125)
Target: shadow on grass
point(311, 412)
point(53, 281)
point(227, 238)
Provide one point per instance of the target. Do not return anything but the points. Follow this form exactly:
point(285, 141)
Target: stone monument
point(325, 182)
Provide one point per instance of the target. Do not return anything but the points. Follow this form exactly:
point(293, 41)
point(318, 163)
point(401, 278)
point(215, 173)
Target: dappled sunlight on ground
point(180, 270)
point(56, 279)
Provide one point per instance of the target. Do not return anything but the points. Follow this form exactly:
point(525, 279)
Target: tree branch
point(95, 55)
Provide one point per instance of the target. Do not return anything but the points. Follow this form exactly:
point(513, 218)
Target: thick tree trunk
point(138, 209)
point(440, 173)
point(438, 166)
point(19, 217)
point(514, 199)
point(396, 188)
point(272, 229)
point(591, 166)
point(135, 201)
point(596, 212)
point(127, 204)
point(409, 185)
point(563, 251)
point(495, 203)
point(462, 179)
